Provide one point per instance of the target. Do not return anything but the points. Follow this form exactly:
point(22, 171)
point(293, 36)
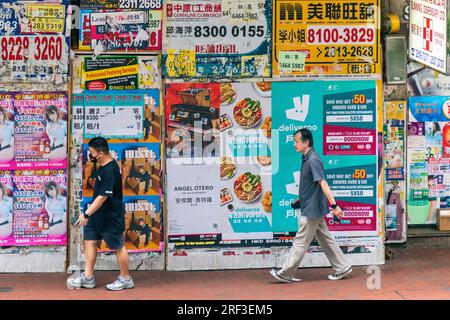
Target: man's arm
point(98, 202)
point(327, 191)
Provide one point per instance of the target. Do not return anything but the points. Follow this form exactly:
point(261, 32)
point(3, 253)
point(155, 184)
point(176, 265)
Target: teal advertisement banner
point(342, 118)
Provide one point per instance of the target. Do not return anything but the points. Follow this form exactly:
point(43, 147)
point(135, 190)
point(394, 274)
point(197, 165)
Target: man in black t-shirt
point(104, 220)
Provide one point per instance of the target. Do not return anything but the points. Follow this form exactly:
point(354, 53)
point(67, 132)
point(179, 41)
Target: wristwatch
point(334, 206)
point(86, 216)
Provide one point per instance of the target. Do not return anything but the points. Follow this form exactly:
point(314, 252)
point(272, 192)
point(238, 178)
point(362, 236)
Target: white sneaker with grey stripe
point(121, 284)
point(80, 281)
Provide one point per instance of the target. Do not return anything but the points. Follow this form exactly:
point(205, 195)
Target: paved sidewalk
point(412, 274)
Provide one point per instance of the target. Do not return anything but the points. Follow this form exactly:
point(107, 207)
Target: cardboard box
point(443, 219)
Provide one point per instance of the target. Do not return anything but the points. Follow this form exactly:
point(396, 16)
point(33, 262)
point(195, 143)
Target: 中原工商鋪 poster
point(217, 39)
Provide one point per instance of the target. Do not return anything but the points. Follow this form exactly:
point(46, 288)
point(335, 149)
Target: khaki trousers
point(308, 229)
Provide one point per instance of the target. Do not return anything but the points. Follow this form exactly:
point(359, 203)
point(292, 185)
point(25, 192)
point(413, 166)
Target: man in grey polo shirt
point(313, 195)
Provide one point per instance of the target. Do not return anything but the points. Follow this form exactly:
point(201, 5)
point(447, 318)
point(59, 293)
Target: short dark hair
point(306, 135)
point(141, 166)
point(99, 144)
point(141, 220)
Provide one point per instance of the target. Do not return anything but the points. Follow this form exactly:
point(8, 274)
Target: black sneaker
point(340, 275)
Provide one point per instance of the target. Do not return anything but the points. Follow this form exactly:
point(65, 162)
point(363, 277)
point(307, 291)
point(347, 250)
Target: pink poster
point(357, 217)
point(6, 208)
point(40, 134)
point(342, 140)
point(40, 205)
point(6, 131)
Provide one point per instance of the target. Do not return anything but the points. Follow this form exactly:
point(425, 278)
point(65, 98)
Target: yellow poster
point(181, 63)
point(395, 110)
point(338, 37)
point(46, 17)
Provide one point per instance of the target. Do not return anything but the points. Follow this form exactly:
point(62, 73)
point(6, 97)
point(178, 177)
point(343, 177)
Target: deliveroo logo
point(300, 110)
point(293, 188)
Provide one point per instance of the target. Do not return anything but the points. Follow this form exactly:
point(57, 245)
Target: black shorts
point(114, 240)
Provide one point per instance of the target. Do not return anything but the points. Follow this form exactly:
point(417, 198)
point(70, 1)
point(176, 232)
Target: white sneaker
point(80, 281)
point(340, 275)
point(280, 278)
point(120, 284)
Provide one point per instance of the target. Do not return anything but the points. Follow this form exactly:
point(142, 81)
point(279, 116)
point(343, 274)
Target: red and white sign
point(428, 33)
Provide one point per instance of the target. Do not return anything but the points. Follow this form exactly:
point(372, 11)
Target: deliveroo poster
point(342, 117)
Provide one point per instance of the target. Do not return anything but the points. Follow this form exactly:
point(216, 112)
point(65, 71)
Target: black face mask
point(93, 159)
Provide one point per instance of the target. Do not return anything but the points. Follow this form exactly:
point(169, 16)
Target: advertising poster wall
point(326, 38)
point(34, 38)
point(248, 212)
point(141, 183)
point(139, 159)
point(226, 195)
point(352, 177)
point(428, 158)
point(217, 39)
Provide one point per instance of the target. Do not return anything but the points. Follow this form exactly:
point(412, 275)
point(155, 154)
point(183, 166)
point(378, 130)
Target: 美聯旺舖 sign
point(339, 38)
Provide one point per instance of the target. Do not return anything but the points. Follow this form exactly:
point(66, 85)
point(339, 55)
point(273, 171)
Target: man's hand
point(82, 221)
point(338, 212)
point(296, 204)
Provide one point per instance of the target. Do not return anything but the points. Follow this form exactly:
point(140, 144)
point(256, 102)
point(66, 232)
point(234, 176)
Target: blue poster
point(119, 114)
